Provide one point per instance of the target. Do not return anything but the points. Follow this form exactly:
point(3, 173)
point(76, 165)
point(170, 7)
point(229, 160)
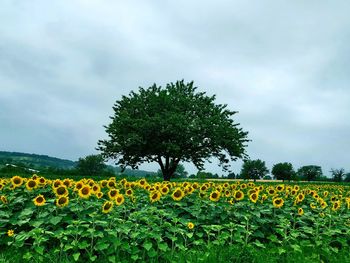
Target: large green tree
point(283, 171)
point(166, 125)
point(253, 169)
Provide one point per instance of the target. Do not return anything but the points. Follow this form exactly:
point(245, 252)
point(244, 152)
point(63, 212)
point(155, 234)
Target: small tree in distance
point(310, 172)
point(91, 165)
point(338, 174)
point(169, 125)
point(254, 169)
point(283, 171)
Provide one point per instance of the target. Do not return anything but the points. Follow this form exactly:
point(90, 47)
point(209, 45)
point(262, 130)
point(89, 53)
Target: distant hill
point(40, 162)
point(34, 161)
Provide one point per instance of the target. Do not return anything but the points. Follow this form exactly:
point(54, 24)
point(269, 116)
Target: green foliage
point(338, 174)
point(254, 169)
point(166, 125)
point(91, 165)
point(283, 171)
point(310, 172)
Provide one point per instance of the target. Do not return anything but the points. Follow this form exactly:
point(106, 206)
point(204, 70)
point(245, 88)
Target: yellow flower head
point(62, 201)
point(178, 194)
point(215, 196)
point(278, 202)
point(300, 211)
point(190, 225)
point(119, 199)
point(107, 207)
point(154, 196)
point(10, 232)
point(238, 195)
point(39, 200)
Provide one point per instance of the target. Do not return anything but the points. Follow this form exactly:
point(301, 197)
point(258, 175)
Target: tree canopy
point(283, 171)
point(166, 125)
point(310, 172)
point(91, 165)
point(254, 169)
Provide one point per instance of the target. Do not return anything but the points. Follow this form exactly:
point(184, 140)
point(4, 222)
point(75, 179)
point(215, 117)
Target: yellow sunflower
point(85, 192)
point(31, 184)
point(39, 200)
point(278, 202)
point(16, 181)
point(336, 206)
point(129, 192)
point(154, 196)
point(107, 207)
point(190, 225)
point(112, 193)
point(178, 194)
point(10, 232)
point(61, 191)
point(62, 201)
point(164, 190)
point(119, 199)
point(3, 199)
point(238, 195)
point(300, 211)
point(254, 197)
point(215, 196)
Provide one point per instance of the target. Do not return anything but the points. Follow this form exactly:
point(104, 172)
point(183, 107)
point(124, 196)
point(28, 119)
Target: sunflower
point(178, 194)
point(325, 193)
point(39, 200)
point(278, 202)
point(78, 186)
point(99, 195)
point(119, 199)
point(129, 192)
point(254, 197)
point(31, 184)
point(142, 182)
point(300, 211)
point(336, 206)
point(85, 192)
point(10, 232)
point(238, 195)
point(107, 207)
point(204, 188)
point(215, 196)
point(154, 196)
point(96, 188)
point(313, 205)
point(112, 193)
point(41, 180)
point(62, 201)
point(280, 187)
point(164, 190)
point(300, 197)
point(68, 182)
point(61, 190)
point(271, 191)
point(190, 225)
point(57, 183)
point(16, 181)
point(231, 201)
point(323, 204)
point(227, 193)
point(3, 199)
point(111, 184)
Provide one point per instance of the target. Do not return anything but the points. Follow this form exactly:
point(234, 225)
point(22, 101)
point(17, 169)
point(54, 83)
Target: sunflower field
point(116, 220)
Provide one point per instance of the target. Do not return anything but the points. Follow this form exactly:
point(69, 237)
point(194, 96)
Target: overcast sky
point(284, 65)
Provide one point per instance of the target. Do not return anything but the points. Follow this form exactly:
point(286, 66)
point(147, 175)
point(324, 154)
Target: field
point(116, 220)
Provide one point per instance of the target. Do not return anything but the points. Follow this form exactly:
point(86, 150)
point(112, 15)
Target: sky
point(283, 65)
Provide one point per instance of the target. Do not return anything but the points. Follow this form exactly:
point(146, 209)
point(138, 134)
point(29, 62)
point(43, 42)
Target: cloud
point(283, 65)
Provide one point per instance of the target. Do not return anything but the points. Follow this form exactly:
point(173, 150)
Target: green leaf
point(163, 247)
point(147, 245)
point(76, 256)
point(112, 259)
point(102, 246)
point(55, 220)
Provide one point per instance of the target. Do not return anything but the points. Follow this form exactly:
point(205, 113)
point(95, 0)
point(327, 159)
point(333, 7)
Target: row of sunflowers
point(161, 217)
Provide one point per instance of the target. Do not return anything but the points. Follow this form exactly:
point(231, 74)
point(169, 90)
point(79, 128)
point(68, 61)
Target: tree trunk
point(169, 168)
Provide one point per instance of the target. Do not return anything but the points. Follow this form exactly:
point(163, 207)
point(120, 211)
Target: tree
point(169, 125)
point(283, 171)
point(180, 172)
point(91, 165)
point(347, 177)
point(338, 174)
point(231, 175)
point(254, 169)
point(310, 172)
